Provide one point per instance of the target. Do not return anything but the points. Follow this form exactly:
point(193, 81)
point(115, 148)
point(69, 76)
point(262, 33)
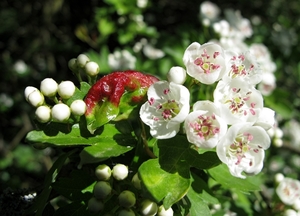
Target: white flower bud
point(36, 98)
point(82, 59)
point(103, 172)
point(126, 212)
point(163, 212)
point(95, 205)
point(148, 207)
point(92, 68)
point(102, 189)
point(28, 90)
point(177, 75)
point(49, 87)
point(120, 172)
point(127, 199)
point(136, 181)
point(43, 114)
point(296, 204)
point(60, 112)
point(66, 89)
point(72, 64)
point(279, 177)
point(78, 107)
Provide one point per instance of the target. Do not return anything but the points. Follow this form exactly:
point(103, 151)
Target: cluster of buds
point(59, 112)
point(82, 64)
point(127, 199)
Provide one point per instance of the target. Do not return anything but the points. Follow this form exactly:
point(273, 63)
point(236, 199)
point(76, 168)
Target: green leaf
point(75, 187)
point(62, 135)
point(162, 184)
point(222, 175)
point(177, 151)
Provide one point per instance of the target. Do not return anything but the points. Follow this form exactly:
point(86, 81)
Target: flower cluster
point(128, 203)
point(232, 31)
point(234, 123)
point(54, 101)
point(288, 191)
point(59, 112)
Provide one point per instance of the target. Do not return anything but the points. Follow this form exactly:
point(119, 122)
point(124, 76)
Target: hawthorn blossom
point(242, 149)
point(167, 107)
point(288, 190)
point(238, 101)
point(209, 12)
point(205, 63)
point(266, 119)
point(203, 126)
point(242, 66)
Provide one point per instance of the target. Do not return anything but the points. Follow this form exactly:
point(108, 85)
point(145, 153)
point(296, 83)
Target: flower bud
point(43, 114)
point(126, 212)
point(49, 87)
point(36, 98)
point(163, 212)
point(103, 172)
point(78, 107)
point(66, 89)
point(92, 68)
point(28, 90)
point(136, 181)
point(102, 189)
point(279, 177)
point(60, 112)
point(73, 65)
point(177, 75)
point(95, 205)
point(120, 172)
point(148, 207)
point(82, 59)
point(127, 199)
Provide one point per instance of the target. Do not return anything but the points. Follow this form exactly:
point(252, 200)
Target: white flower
point(238, 101)
point(20, 67)
point(167, 107)
point(28, 90)
point(242, 66)
point(242, 149)
point(152, 52)
point(267, 84)
point(120, 172)
point(266, 118)
point(290, 212)
point(91, 68)
point(288, 190)
point(66, 89)
point(121, 60)
point(82, 59)
point(49, 87)
point(78, 107)
point(177, 75)
point(209, 10)
point(279, 177)
point(205, 63)
point(203, 126)
point(43, 114)
point(60, 112)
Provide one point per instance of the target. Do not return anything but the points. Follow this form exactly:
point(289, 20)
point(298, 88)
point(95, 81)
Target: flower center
point(205, 126)
point(204, 62)
point(166, 110)
point(238, 103)
point(240, 146)
point(238, 67)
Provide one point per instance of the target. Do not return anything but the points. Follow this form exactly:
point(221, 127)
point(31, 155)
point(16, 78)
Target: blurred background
point(38, 38)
